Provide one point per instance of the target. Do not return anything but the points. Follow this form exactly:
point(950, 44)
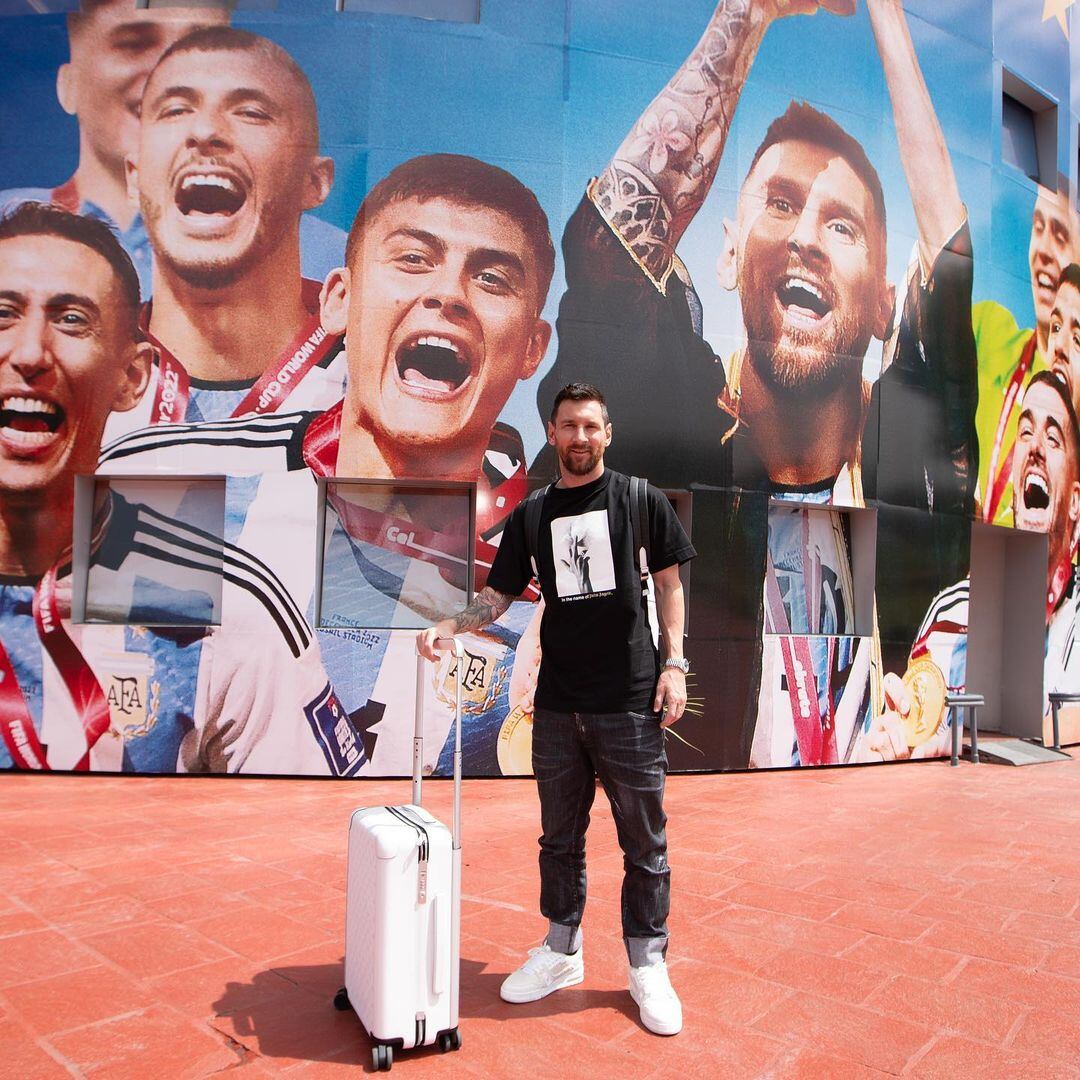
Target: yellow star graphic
point(1056, 9)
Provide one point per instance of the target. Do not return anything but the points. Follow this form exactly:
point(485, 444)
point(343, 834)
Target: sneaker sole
point(648, 1027)
point(569, 980)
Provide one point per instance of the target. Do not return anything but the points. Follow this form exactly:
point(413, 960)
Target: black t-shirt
point(597, 649)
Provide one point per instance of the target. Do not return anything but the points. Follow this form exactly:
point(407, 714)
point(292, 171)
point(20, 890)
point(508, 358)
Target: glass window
point(1018, 143)
point(155, 552)
point(810, 579)
point(394, 555)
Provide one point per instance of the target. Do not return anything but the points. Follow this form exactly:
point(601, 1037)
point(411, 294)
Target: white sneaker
point(543, 973)
point(661, 1010)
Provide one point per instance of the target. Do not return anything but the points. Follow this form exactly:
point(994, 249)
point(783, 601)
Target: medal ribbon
point(1059, 582)
point(371, 527)
point(943, 626)
point(816, 738)
point(81, 683)
point(999, 476)
point(16, 724)
point(66, 196)
point(306, 350)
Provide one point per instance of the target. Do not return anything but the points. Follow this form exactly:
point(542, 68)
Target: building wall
point(827, 377)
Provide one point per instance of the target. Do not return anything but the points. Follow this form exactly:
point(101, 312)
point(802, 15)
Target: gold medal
point(926, 687)
point(515, 744)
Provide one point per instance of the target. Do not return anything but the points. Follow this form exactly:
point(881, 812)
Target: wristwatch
point(679, 663)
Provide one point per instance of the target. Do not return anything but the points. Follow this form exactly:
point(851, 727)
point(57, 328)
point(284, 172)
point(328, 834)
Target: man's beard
point(796, 362)
point(576, 465)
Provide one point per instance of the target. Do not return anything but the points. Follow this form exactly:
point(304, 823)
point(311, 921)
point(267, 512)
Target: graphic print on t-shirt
point(581, 551)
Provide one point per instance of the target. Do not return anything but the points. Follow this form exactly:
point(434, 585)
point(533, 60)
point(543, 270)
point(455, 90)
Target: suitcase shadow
point(287, 1013)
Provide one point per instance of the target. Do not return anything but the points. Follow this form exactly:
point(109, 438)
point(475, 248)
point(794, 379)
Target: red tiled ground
point(919, 921)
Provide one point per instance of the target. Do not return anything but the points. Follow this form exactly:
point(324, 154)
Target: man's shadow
point(290, 1011)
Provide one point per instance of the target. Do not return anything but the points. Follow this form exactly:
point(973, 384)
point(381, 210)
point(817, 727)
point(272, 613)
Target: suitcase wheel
point(382, 1057)
point(450, 1040)
point(341, 1000)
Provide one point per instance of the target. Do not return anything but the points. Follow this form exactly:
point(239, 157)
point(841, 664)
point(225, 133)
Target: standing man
point(603, 697)
point(1010, 354)
point(227, 164)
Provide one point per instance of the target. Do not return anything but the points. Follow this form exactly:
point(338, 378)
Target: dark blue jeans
point(626, 751)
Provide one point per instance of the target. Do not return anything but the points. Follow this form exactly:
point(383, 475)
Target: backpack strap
point(534, 507)
point(639, 526)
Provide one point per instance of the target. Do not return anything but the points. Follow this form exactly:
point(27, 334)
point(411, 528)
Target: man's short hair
point(467, 182)
point(1070, 276)
point(1057, 384)
point(803, 123)
point(76, 19)
point(579, 391)
point(45, 219)
point(212, 39)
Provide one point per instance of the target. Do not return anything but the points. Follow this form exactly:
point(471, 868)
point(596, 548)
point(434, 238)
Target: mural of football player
point(448, 267)
point(1045, 484)
point(121, 697)
point(1010, 354)
point(806, 252)
point(1063, 340)
point(226, 165)
point(113, 47)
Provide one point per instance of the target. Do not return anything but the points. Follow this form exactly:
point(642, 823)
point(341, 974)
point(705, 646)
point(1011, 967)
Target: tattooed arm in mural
point(487, 606)
point(660, 175)
point(630, 320)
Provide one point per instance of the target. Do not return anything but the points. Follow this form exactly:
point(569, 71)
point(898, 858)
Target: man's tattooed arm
point(487, 606)
point(659, 177)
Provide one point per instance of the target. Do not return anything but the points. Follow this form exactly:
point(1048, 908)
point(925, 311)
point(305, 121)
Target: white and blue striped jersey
point(273, 510)
point(247, 694)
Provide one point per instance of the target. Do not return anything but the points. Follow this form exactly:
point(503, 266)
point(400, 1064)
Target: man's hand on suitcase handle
point(487, 606)
point(426, 640)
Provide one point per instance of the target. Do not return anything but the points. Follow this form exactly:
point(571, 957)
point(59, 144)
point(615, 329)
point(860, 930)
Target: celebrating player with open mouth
point(448, 265)
point(227, 164)
point(122, 696)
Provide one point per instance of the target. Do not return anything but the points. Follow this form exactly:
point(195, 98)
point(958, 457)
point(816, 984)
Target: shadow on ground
point(288, 1013)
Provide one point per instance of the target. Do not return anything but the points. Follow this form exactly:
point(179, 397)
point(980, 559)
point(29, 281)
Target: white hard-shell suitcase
point(403, 910)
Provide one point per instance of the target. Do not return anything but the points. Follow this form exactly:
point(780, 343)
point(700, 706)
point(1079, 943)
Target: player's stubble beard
point(792, 362)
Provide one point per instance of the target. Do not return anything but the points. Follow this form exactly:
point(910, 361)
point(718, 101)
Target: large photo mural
point(286, 295)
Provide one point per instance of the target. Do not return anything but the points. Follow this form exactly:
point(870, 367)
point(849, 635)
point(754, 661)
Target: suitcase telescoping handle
point(451, 645)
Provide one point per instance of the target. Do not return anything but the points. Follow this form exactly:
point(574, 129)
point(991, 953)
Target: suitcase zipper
point(422, 861)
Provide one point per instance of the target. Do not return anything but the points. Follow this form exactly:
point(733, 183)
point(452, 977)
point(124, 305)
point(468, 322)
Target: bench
point(1057, 699)
point(960, 703)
